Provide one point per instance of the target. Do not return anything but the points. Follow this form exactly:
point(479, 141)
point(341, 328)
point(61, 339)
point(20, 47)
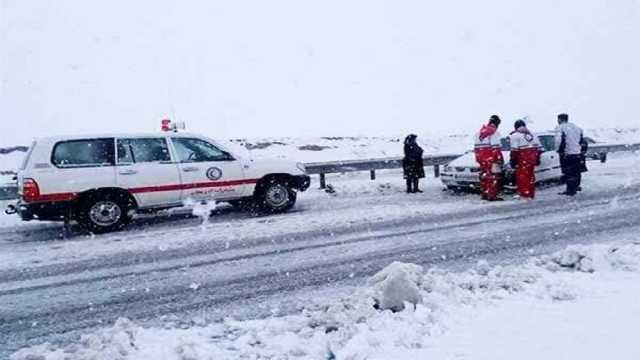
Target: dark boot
point(416, 181)
point(409, 186)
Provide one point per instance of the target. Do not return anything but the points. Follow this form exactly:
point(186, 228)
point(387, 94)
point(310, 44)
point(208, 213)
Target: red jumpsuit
point(489, 157)
point(525, 156)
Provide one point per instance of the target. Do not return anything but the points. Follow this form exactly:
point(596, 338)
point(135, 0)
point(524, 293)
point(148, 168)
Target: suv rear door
point(207, 171)
point(145, 168)
point(79, 165)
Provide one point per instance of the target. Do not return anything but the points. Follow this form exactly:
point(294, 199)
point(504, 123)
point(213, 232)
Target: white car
point(464, 172)
point(101, 180)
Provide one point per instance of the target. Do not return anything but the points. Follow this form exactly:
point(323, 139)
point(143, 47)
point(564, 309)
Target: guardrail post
point(436, 170)
point(373, 174)
point(323, 181)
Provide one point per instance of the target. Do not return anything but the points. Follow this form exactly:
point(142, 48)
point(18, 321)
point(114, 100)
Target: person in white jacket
point(525, 156)
point(569, 145)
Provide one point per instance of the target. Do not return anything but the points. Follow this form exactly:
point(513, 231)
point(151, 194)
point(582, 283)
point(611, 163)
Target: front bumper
point(473, 182)
point(450, 179)
point(301, 182)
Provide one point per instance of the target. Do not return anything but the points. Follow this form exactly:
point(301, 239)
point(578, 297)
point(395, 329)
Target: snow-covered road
point(53, 289)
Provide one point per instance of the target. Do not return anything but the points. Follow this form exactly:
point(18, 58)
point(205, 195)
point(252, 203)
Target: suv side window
point(196, 150)
point(83, 153)
point(143, 150)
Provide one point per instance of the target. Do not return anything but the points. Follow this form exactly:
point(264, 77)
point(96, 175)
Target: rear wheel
point(275, 196)
point(103, 212)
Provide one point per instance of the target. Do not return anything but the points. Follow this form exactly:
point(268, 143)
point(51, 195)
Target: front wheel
point(276, 196)
point(103, 213)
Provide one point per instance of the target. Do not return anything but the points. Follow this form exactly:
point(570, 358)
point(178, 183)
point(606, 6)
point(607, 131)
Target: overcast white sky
point(298, 68)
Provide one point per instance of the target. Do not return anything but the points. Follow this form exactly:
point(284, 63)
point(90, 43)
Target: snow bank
point(318, 149)
point(352, 328)
point(396, 285)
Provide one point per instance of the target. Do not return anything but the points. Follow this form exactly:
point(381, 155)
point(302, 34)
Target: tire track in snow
point(156, 257)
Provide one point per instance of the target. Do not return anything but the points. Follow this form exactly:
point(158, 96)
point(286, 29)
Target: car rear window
point(505, 144)
point(84, 153)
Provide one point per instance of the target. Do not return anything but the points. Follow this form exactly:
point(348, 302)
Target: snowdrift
point(402, 308)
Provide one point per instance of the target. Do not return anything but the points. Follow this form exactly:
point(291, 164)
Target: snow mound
point(396, 285)
point(592, 258)
point(375, 319)
point(114, 343)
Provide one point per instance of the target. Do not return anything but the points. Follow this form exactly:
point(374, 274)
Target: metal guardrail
point(371, 165)
point(595, 152)
point(8, 192)
point(596, 148)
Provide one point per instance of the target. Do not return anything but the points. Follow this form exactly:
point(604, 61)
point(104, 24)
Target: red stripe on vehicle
point(57, 197)
point(208, 184)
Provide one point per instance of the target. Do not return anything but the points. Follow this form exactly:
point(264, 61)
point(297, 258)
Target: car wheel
point(103, 212)
point(276, 196)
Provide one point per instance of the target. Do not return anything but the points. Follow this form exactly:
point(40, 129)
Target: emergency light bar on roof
point(167, 125)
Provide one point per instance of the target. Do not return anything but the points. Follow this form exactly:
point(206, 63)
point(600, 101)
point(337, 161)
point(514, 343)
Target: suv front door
point(144, 167)
point(208, 172)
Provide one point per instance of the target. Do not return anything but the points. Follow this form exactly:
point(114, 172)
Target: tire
point(104, 212)
point(275, 196)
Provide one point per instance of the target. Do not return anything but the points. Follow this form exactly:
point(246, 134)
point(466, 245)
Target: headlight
point(301, 167)
point(447, 168)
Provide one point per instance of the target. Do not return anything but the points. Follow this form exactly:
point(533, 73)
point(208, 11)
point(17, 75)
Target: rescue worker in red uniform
point(525, 156)
point(489, 156)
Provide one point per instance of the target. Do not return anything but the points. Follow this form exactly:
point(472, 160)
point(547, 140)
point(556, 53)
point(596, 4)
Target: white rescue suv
point(102, 180)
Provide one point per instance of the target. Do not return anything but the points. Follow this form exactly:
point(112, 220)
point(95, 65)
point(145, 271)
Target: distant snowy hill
point(350, 148)
point(316, 149)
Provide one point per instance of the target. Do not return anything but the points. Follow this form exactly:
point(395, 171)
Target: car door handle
point(190, 169)
point(128, 172)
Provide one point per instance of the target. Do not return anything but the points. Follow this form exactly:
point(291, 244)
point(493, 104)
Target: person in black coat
point(412, 163)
